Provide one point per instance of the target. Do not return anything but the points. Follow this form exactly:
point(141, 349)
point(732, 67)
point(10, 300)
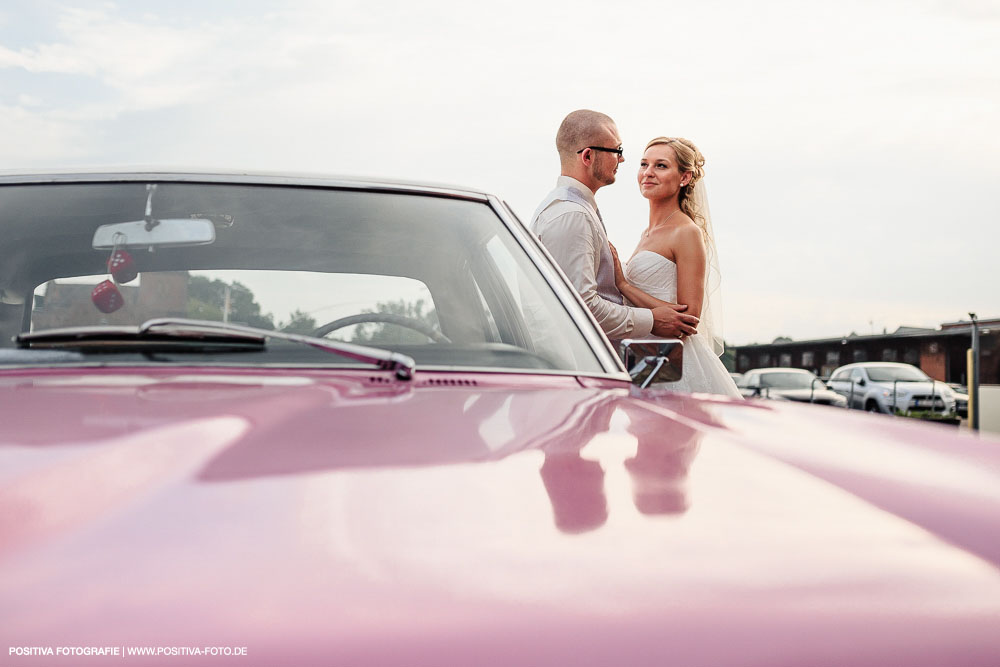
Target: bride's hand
point(619, 274)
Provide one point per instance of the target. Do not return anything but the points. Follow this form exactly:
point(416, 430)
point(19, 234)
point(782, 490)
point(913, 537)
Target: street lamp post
point(974, 375)
point(226, 304)
point(227, 300)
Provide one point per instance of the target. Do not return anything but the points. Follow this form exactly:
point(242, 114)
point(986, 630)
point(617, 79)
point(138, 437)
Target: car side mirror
point(650, 360)
point(861, 382)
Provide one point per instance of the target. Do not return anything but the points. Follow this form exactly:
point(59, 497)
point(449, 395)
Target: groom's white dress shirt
point(569, 225)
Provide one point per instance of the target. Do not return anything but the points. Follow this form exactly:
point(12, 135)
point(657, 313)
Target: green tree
point(207, 301)
point(299, 323)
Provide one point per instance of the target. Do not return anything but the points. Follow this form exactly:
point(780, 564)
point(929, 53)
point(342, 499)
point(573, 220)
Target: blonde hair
point(691, 161)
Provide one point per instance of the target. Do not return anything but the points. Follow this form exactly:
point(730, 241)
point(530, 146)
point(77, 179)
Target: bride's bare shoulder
point(689, 241)
point(687, 231)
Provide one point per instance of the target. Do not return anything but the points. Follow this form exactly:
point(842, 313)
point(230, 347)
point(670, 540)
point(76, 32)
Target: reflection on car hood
point(341, 518)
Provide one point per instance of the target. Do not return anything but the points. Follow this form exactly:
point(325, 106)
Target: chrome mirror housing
point(650, 360)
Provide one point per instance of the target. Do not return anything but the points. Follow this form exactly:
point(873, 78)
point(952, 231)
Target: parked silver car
point(788, 384)
point(893, 388)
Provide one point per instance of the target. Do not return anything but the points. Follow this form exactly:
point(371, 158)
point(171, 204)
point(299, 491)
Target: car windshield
point(901, 373)
point(790, 380)
point(438, 278)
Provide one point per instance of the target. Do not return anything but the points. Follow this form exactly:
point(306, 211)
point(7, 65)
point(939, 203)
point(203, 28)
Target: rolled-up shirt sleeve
point(575, 244)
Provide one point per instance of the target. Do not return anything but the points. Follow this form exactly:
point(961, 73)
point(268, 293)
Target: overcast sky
point(852, 147)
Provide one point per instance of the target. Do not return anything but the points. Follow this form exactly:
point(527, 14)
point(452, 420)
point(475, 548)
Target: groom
point(570, 226)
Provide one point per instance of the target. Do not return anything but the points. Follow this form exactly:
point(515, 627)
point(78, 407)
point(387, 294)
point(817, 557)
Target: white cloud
point(40, 138)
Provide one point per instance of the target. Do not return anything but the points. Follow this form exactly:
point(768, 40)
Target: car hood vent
point(447, 382)
point(427, 382)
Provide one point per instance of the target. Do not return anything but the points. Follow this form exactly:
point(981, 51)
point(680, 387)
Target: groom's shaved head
point(579, 129)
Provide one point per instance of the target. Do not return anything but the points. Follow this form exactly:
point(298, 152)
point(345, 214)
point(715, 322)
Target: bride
point(676, 261)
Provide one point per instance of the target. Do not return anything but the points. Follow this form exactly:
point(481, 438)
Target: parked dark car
point(275, 420)
point(961, 399)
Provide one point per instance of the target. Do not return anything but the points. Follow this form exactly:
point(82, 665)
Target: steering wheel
point(387, 318)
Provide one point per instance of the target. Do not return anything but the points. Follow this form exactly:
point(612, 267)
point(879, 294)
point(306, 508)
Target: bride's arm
point(692, 262)
point(635, 295)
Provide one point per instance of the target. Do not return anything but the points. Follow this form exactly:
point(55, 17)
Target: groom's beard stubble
point(605, 175)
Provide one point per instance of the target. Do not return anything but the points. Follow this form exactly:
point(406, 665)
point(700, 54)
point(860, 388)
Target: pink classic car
point(255, 420)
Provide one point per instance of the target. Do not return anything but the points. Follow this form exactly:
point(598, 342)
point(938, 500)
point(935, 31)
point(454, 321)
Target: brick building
point(941, 353)
point(163, 294)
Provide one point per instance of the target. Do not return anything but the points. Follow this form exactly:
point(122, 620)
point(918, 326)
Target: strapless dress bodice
point(654, 274)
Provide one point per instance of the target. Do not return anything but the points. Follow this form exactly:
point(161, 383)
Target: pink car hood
point(346, 518)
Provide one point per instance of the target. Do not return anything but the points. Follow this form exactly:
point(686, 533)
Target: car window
point(901, 373)
point(440, 279)
point(789, 380)
point(527, 304)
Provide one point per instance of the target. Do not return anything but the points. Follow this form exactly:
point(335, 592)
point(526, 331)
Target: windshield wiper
point(109, 339)
point(177, 329)
point(401, 364)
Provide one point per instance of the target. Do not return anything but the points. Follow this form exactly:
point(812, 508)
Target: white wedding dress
point(703, 371)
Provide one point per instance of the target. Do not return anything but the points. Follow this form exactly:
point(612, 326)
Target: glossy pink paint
point(346, 518)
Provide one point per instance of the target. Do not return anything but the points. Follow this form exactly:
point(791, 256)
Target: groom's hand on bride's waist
point(671, 321)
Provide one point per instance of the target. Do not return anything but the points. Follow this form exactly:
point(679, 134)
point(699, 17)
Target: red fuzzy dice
point(106, 297)
point(122, 266)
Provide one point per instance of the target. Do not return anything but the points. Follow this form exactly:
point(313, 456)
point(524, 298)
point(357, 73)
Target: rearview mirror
point(652, 360)
point(155, 233)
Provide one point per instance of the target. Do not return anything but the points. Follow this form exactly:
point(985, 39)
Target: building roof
point(961, 328)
